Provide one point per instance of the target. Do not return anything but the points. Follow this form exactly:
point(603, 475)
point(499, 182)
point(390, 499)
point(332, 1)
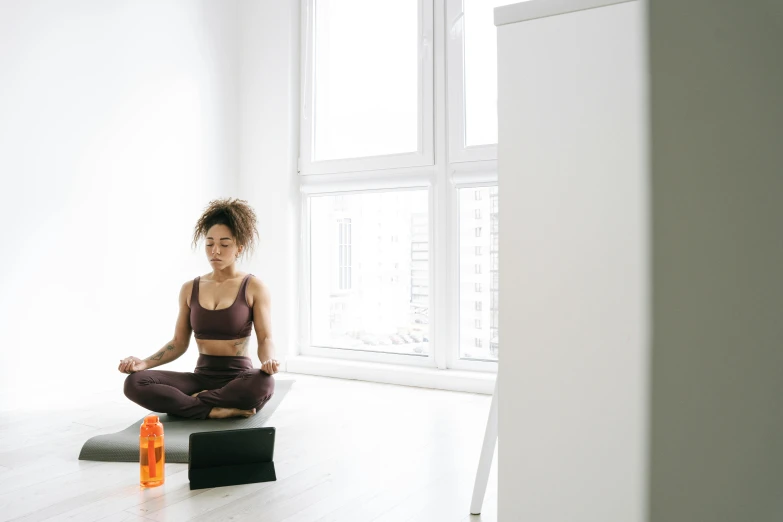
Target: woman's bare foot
point(194, 394)
point(224, 413)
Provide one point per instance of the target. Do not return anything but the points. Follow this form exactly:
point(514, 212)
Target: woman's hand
point(132, 365)
point(270, 366)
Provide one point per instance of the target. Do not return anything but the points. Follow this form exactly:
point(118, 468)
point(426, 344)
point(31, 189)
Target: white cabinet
point(574, 261)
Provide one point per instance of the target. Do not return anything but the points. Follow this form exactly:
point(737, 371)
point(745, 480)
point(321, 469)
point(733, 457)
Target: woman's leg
point(169, 392)
point(250, 389)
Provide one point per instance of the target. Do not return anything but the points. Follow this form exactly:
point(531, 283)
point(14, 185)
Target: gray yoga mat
point(123, 446)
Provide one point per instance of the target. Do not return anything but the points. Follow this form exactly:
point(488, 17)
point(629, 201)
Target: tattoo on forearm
point(158, 356)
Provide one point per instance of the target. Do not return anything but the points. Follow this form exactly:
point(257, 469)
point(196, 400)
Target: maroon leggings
point(232, 381)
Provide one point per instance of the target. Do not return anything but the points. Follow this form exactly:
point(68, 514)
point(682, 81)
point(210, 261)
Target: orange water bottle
point(152, 453)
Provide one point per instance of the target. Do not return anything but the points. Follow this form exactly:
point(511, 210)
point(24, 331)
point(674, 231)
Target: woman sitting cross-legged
point(221, 309)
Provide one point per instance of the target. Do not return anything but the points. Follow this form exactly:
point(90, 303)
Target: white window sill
point(453, 380)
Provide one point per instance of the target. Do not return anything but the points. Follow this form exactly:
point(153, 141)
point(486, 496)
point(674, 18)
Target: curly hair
point(236, 214)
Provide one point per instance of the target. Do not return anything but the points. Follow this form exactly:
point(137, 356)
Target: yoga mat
point(123, 446)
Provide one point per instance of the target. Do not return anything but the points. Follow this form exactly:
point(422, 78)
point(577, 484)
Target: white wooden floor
point(345, 451)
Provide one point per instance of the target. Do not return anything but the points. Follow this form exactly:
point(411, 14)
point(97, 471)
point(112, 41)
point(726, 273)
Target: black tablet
point(231, 457)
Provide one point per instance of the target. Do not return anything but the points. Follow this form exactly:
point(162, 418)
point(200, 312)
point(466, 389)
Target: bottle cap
point(151, 427)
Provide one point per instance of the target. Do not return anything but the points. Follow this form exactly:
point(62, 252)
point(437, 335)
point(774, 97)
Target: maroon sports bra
point(233, 322)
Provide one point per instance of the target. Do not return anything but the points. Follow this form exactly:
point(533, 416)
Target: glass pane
point(479, 281)
point(370, 284)
point(366, 78)
point(481, 87)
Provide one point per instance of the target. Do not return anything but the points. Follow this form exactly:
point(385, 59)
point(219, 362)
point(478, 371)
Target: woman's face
point(220, 246)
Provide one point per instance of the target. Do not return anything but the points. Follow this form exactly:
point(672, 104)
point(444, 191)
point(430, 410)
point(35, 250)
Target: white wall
point(573, 267)
point(269, 137)
point(118, 123)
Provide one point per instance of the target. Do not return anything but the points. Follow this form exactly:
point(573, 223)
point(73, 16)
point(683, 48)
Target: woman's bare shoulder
point(257, 283)
point(256, 289)
point(186, 290)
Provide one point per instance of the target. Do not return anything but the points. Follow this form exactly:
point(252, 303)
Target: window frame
point(423, 156)
point(306, 346)
point(443, 177)
point(455, 54)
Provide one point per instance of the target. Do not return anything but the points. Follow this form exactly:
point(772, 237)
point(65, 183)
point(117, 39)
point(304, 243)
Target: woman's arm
point(165, 355)
point(179, 344)
point(263, 326)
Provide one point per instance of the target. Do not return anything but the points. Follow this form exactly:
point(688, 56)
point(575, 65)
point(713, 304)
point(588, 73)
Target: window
point(380, 211)
point(485, 283)
point(472, 79)
point(480, 64)
point(388, 306)
point(370, 105)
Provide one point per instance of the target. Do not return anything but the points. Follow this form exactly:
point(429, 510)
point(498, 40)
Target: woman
point(221, 309)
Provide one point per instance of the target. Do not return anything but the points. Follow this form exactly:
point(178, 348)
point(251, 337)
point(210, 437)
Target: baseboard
point(453, 380)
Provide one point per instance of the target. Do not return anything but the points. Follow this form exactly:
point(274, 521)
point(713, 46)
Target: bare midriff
point(223, 347)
